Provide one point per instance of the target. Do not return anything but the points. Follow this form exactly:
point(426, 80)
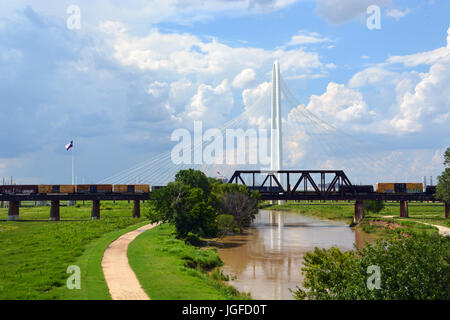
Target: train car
point(19, 189)
point(56, 188)
point(357, 188)
point(132, 188)
point(94, 188)
point(399, 187)
point(430, 190)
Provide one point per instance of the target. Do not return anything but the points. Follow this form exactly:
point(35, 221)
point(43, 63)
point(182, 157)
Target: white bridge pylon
point(276, 146)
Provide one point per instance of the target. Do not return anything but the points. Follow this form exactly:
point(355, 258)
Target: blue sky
point(136, 71)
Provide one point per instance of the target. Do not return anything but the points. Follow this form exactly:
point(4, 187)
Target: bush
point(413, 267)
point(373, 206)
point(225, 224)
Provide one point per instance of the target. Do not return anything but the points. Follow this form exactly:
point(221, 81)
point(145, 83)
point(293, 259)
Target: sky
point(119, 77)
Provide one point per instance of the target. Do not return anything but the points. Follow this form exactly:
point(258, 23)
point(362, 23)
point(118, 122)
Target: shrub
point(413, 267)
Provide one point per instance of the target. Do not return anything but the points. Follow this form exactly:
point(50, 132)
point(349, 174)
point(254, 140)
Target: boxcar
point(56, 188)
point(430, 190)
point(358, 188)
point(94, 188)
point(19, 189)
point(132, 188)
point(399, 187)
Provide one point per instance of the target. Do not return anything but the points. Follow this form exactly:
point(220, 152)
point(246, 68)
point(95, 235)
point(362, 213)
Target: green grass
point(36, 252)
point(93, 285)
point(169, 269)
point(343, 211)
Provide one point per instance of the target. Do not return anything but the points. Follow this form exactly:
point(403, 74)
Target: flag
point(69, 145)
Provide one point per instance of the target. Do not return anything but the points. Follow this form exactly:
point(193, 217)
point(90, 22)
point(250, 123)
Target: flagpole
point(73, 168)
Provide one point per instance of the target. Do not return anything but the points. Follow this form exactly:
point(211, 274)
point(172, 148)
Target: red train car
point(19, 189)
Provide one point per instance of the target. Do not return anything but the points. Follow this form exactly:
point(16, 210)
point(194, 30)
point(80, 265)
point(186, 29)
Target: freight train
point(68, 188)
point(398, 188)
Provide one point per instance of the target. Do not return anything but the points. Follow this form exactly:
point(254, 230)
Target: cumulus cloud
point(243, 78)
point(340, 104)
point(340, 11)
point(211, 104)
point(419, 100)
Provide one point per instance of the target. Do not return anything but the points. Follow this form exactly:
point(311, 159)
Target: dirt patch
point(386, 224)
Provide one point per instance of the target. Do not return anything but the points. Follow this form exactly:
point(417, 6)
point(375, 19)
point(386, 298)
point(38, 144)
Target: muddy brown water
point(267, 258)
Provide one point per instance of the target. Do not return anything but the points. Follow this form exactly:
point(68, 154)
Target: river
point(266, 259)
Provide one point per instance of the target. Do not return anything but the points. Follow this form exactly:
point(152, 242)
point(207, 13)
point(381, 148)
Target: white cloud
point(307, 38)
point(339, 11)
point(398, 14)
point(340, 104)
point(243, 78)
point(211, 104)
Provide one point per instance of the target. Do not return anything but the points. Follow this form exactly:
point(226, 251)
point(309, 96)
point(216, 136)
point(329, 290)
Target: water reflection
point(266, 260)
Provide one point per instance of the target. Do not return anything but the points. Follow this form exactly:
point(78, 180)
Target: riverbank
point(375, 224)
point(169, 269)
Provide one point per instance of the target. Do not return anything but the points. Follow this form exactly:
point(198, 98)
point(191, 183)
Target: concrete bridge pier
point(359, 211)
point(13, 210)
point(54, 211)
point(403, 209)
point(95, 213)
point(136, 209)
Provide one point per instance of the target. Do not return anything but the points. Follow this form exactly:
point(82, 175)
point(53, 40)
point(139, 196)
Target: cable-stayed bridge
point(295, 138)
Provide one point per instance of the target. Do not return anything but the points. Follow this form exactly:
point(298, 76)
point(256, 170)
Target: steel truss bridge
point(298, 182)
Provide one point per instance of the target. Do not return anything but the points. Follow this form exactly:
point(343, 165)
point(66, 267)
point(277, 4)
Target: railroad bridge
point(298, 185)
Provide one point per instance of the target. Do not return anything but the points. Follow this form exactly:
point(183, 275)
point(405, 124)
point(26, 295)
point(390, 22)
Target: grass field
point(418, 212)
point(168, 269)
point(36, 252)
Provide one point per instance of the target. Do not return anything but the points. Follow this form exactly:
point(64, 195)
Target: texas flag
point(69, 145)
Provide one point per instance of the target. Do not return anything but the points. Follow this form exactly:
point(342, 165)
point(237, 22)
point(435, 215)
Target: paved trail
point(120, 278)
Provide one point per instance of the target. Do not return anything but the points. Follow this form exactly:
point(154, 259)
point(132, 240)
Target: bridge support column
point(359, 212)
point(13, 210)
point(95, 210)
point(54, 211)
point(403, 209)
point(136, 209)
point(447, 209)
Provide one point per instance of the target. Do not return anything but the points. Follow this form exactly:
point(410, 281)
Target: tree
point(443, 186)
point(235, 200)
point(186, 208)
point(414, 267)
point(373, 206)
point(447, 157)
point(194, 179)
point(225, 224)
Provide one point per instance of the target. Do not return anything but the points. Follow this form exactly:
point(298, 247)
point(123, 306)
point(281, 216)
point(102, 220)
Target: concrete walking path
point(120, 278)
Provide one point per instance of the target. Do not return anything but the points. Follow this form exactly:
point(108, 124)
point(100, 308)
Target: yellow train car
point(132, 188)
point(414, 187)
point(383, 187)
point(56, 188)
